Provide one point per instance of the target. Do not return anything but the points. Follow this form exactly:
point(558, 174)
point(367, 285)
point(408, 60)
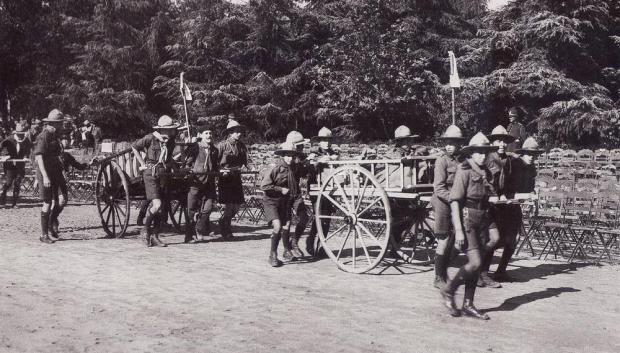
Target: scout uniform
point(301, 169)
point(516, 130)
point(469, 200)
point(278, 204)
point(523, 180)
point(445, 169)
point(317, 159)
point(508, 217)
point(18, 147)
point(203, 157)
point(233, 154)
point(402, 210)
point(159, 150)
point(47, 151)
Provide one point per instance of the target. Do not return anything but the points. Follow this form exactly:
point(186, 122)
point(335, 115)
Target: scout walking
point(281, 189)
point(159, 147)
point(317, 159)
point(203, 157)
point(18, 147)
point(515, 129)
point(52, 184)
point(445, 169)
point(507, 217)
point(233, 155)
point(469, 204)
point(301, 169)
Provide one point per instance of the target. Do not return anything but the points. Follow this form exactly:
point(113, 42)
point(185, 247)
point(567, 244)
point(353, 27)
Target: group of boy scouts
point(498, 165)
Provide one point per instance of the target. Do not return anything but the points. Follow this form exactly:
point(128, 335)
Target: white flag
point(185, 92)
point(455, 81)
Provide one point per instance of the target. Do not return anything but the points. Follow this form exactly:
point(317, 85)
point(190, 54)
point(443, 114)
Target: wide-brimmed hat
point(403, 133)
point(500, 133)
point(325, 134)
point(287, 149)
point(530, 146)
point(166, 122)
point(478, 143)
point(296, 138)
point(232, 126)
point(55, 116)
point(452, 134)
point(20, 129)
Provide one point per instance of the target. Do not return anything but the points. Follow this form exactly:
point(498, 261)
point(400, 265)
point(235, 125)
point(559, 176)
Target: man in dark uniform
point(202, 157)
point(523, 180)
point(159, 147)
point(50, 178)
point(233, 156)
point(507, 217)
point(18, 147)
point(281, 189)
point(515, 129)
point(317, 158)
point(469, 204)
point(445, 169)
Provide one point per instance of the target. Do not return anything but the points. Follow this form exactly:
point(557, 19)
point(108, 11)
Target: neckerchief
point(476, 168)
point(163, 154)
point(207, 148)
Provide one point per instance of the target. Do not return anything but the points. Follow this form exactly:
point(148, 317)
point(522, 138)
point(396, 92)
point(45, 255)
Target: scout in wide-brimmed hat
point(296, 138)
point(233, 126)
point(500, 133)
point(479, 143)
point(20, 129)
point(166, 122)
point(530, 147)
point(325, 134)
point(453, 134)
point(403, 134)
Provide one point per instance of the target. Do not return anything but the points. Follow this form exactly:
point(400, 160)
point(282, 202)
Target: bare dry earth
point(86, 294)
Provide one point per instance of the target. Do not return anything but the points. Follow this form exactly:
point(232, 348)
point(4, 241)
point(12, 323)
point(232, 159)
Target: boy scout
point(317, 159)
point(281, 189)
point(469, 204)
point(18, 147)
point(233, 154)
point(301, 169)
point(47, 152)
point(445, 169)
point(203, 157)
point(159, 147)
point(507, 216)
point(523, 180)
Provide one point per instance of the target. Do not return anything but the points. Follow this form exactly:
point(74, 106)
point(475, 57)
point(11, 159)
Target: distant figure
point(88, 139)
point(35, 130)
point(515, 129)
point(18, 147)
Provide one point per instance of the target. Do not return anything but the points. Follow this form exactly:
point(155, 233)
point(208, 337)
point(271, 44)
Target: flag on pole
point(185, 92)
point(455, 81)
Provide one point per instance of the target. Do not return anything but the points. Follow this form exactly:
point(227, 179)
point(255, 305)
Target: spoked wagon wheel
point(177, 210)
point(359, 219)
point(417, 246)
point(112, 195)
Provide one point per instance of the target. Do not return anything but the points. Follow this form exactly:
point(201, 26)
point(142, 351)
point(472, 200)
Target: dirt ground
point(87, 294)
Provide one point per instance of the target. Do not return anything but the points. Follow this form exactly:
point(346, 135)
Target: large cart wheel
point(112, 196)
point(358, 213)
point(417, 246)
point(177, 210)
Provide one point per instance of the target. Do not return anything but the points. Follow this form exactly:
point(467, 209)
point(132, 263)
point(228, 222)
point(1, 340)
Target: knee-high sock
point(275, 239)
point(470, 287)
point(506, 256)
point(45, 216)
point(460, 278)
point(285, 239)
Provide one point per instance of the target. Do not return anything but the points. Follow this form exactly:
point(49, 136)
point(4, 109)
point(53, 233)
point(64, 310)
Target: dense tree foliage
point(361, 67)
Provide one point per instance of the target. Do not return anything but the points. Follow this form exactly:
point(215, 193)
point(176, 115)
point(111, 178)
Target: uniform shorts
point(299, 208)
point(442, 214)
point(58, 186)
point(477, 223)
point(153, 185)
point(508, 219)
point(277, 208)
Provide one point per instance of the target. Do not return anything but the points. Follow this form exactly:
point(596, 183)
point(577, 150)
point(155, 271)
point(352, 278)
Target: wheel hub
point(350, 219)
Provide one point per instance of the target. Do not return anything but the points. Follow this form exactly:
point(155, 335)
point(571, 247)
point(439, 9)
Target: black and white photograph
point(313, 176)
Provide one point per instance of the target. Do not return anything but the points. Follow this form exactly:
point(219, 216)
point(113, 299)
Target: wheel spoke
point(362, 193)
point(107, 205)
point(369, 233)
point(120, 209)
point(369, 206)
point(343, 244)
point(336, 232)
point(354, 245)
point(113, 221)
point(364, 246)
point(345, 197)
point(336, 203)
point(331, 217)
point(371, 220)
point(118, 217)
point(107, 219)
